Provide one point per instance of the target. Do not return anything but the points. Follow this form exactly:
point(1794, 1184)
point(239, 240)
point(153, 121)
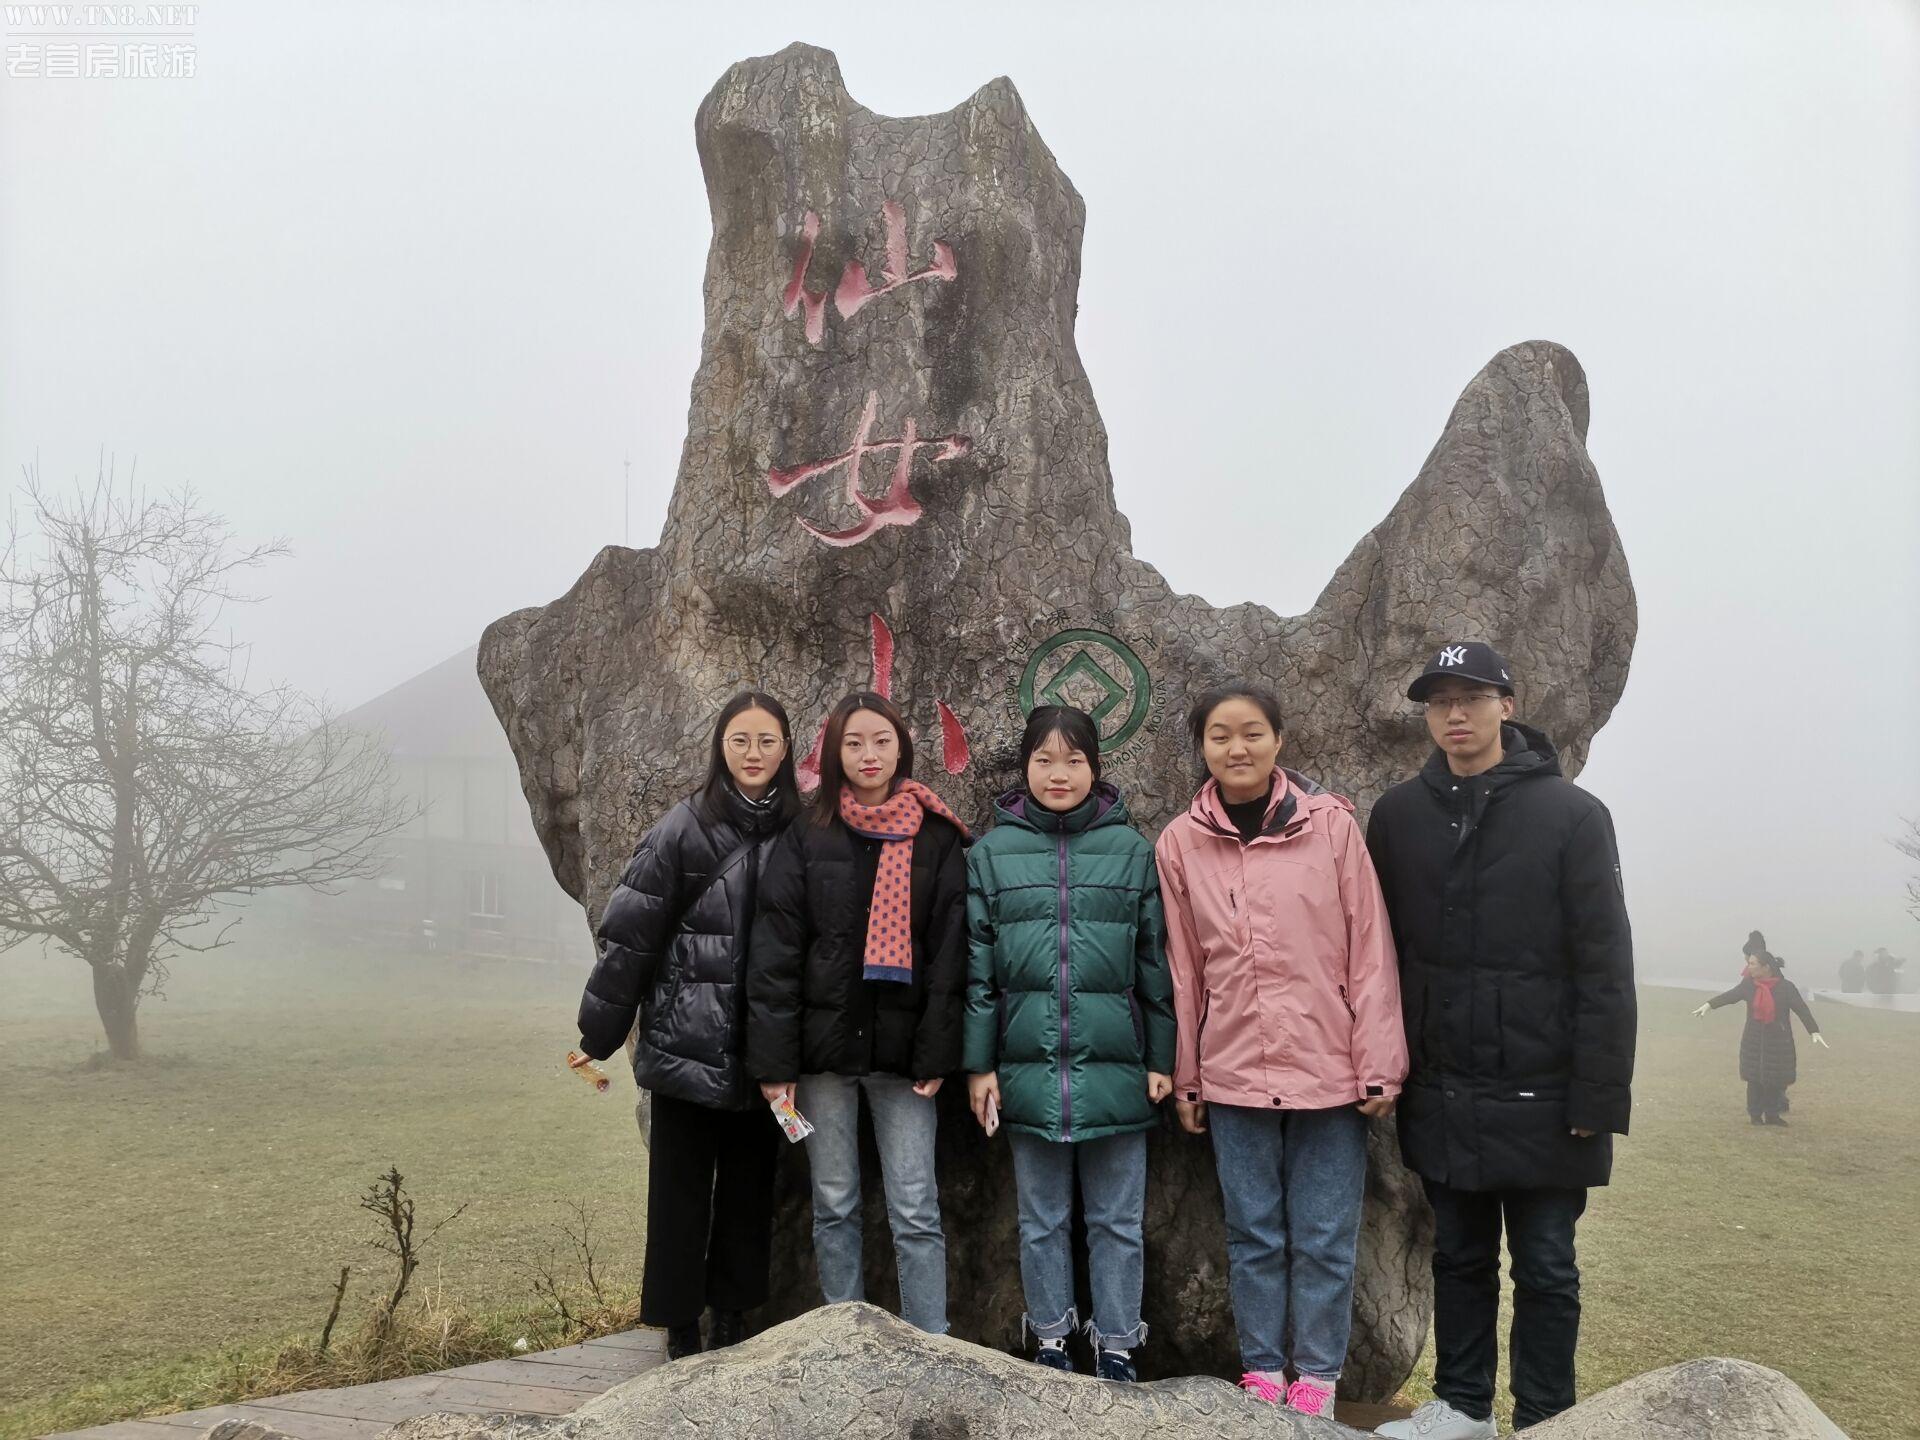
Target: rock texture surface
point(895, 475)
point(852, 1372)
point(1704, 1398)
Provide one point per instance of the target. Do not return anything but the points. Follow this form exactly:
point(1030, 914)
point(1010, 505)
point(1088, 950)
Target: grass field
point(1791, 1247)
point(206, 1199)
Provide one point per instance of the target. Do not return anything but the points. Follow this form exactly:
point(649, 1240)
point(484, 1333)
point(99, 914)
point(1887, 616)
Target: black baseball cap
point(1464, 660)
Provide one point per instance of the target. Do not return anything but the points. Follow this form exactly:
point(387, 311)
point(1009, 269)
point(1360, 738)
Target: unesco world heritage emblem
point(1095, 672)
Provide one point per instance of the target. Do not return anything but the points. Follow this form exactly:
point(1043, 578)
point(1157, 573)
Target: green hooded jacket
point(1069, 998)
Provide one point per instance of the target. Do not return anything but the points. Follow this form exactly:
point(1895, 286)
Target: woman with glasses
point(673, 954)
point(1516, 970)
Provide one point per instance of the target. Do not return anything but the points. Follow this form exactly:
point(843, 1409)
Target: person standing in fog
point(1070, 1030)
point(1853, 973)
point(673, 954)
point(1768, 1060)
point(859, 963)
point(1516, 969)
point(1287, 1010)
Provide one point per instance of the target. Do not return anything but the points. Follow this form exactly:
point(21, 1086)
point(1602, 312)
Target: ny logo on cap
point(1453, 655)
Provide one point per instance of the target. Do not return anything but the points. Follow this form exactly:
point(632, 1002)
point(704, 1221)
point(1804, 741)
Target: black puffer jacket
point(673, 949)
point(1516, 971)
point(809, 1009)
point(1767, 1053)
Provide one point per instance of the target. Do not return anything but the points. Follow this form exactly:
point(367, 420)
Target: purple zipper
point(1066, 1019)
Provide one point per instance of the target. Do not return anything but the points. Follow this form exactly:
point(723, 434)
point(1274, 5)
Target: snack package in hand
point(791, 1120)
point(588, 1071)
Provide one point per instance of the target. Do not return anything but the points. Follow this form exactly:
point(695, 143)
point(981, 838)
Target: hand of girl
point(1158, 1087)
point(1703, 1010)
point(1377, 1106)
point(980, 1088)
point(1821, 1041)
point(775, 1091)
point(1193, 1115)
point(927, 1089)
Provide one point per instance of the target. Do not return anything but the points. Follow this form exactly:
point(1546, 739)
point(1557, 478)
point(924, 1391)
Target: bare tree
point(144, 784)
point(1909, 846)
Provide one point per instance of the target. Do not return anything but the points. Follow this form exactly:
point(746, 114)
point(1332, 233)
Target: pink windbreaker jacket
point(1285, 986)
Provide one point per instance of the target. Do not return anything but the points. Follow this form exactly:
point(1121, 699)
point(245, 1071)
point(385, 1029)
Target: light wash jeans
point(1293, 1182)
point(1113, 1193)
point(904, 1125)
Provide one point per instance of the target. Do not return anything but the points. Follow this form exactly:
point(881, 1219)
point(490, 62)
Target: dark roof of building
point(441, 713)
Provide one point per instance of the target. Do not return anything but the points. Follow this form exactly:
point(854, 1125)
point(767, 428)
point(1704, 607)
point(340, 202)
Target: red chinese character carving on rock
point(897, 506)
point(955, 752)
point(855, 289)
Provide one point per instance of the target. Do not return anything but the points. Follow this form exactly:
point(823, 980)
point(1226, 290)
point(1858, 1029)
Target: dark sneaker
point(727, 1327)
point(1116, 1365)
point(1776, 1120)
point(683, 1340)
point(1054, 1357)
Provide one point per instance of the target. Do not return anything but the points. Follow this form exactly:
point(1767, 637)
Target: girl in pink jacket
point(1287, 998)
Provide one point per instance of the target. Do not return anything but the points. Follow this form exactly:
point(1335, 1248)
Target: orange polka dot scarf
point(890, 918)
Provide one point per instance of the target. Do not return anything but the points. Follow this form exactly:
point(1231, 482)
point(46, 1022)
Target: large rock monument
point(895, 477)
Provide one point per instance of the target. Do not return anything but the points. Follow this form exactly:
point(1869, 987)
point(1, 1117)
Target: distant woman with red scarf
point(1768, 1062)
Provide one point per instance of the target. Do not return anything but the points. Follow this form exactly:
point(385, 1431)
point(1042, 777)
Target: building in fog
point(467, 876)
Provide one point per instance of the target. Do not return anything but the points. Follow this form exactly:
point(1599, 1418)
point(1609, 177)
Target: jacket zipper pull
point(1233, 906)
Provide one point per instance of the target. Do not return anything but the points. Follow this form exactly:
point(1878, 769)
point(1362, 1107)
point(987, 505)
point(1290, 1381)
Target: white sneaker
point(1437, 1420)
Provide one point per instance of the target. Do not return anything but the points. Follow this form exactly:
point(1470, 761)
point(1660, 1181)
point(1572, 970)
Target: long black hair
point(710, 798)
point(826, 804)
point(1073, 726)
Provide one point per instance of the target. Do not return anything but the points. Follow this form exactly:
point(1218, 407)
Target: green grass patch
point(1790, 1247)
point(173, 1222)
point(174, 1228)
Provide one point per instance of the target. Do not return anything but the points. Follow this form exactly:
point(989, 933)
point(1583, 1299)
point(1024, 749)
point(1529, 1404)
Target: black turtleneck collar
point(756, 816)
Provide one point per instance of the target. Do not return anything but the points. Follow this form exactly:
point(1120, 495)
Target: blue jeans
point(1113, 1193)
point(904, 1125)
point(1292, 1181)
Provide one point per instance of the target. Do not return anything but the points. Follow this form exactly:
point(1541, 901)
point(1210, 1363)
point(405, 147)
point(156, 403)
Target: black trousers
point(1466, 1298)
point(709, 1210)
point(1765, 1100)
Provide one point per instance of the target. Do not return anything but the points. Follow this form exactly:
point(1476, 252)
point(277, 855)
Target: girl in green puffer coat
point(1069, 1028)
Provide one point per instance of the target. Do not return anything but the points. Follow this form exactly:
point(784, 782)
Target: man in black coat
point(1503, 884)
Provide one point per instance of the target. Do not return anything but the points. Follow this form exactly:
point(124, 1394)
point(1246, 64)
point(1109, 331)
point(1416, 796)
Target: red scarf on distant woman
point(889, 954)
point(1763, 1011)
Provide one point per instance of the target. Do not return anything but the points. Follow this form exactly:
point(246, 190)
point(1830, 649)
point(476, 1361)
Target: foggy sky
point(407, 283)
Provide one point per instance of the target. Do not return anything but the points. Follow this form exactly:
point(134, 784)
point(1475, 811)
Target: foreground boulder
point(895, 477)
point(853, 1372)
point(1733, 1399)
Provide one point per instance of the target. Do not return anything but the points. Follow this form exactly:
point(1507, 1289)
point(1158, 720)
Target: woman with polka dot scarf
point(855, 983)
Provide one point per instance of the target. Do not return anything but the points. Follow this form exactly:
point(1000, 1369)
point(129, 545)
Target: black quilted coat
point(673, 952)
point(1767, 1054)
point(810, 1011)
